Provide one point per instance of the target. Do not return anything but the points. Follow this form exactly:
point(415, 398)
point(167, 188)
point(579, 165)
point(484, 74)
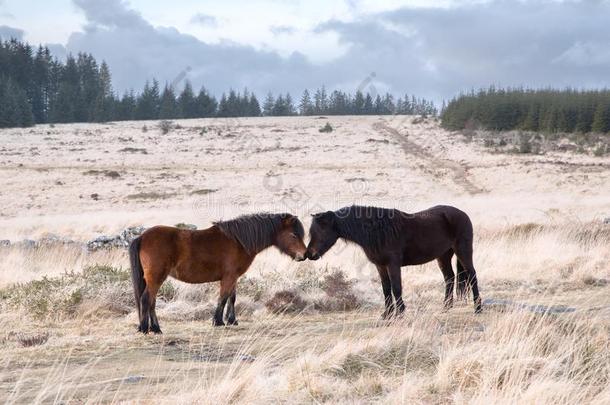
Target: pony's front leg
point(396, 282)
point(227, 285)
point(231, 320)
point(220, 308)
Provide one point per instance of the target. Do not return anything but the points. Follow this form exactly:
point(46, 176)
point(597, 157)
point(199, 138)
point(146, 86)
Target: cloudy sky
point(434, 49)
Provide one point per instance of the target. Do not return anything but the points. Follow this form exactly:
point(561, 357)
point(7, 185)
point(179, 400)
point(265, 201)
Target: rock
point(27, 244)
point(52, 239)
point(189, 227)
point(121, 240)
point(132, 379)
point(5, 243)
point(607, 220)
point(565, 145)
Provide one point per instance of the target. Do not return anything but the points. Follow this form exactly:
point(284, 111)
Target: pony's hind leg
point(444, 262)
point(231, 319)
point(154, 322)
point(462, 281)
point(148, 303)
point(387, 292)
point(464, 253)
point(144, 311)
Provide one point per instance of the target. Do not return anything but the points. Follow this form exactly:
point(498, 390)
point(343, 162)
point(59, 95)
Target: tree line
point(37, 88)
point(544, 110)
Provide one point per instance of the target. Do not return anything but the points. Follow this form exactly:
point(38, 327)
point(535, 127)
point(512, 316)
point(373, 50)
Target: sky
point(434, 49)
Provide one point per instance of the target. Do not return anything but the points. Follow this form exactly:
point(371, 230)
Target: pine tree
point(168, 108)
point(289, 105)
point(126, 107)
point(207, 104)
point(104, 103)
point(187, 103)
point(223, 106)
point(359, 103)
point(388, 106)
point(305, 105)
point(268, 105)
point(369, 108)
point(41, 85)
point(378, 107)
point(601, 118)
point(254, 108)
point(321, 101)
point(148, 102)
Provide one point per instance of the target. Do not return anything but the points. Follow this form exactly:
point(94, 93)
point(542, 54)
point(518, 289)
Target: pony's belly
point(417, 261)
point(195, 275)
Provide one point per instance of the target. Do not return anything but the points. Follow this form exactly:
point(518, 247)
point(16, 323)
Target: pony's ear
point(325, 217)
point(289, 220)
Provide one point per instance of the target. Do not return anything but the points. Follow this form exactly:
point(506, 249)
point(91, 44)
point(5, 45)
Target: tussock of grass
point(61, 296)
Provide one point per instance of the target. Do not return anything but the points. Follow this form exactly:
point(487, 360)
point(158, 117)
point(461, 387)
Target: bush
point(285, 302)
point(165, 126)
point(525, 146)
point(326, 128)
point(600, 150)
point(61, 296)
point(339, 293)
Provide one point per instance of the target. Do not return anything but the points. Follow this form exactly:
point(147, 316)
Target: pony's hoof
point(156, 330)
point(232, 322)
point(143, 330)
point(386, 316)
point(216, 322)
point(478, 310)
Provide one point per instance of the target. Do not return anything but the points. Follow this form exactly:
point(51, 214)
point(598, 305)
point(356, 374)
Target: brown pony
point(222, 253)
point(391, 239)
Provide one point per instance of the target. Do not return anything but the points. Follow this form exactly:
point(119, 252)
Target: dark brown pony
point(392, 238)
point(222, 253)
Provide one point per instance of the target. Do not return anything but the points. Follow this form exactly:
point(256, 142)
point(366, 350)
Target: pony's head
point(323, 234)
point(289, 237)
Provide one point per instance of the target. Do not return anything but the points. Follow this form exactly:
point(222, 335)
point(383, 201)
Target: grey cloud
point(136, 51)
point(7, 32)
point(111, 14)
point(204, 19)
point(282, 29)
point(432, 52)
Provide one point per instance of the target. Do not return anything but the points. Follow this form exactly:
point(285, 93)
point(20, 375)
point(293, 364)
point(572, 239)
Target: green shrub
point(60, 296)
point(525, 146)
point(600, 150)
point(165, 126)
point(326, 128)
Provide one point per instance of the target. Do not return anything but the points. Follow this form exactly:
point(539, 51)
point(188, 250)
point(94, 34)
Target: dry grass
point(296, 343)
point(309, 332)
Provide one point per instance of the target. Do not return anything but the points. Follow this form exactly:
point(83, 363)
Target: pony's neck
point(269, 241)
point(345, 232)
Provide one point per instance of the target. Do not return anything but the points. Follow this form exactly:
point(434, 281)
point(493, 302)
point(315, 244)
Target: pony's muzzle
point(312, 255)
point(299, 257)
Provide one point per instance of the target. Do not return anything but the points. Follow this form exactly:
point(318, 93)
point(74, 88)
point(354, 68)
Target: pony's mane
point(256, 232)
point(370, 227)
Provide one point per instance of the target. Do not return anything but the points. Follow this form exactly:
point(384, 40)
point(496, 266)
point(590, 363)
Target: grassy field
point(309, 332)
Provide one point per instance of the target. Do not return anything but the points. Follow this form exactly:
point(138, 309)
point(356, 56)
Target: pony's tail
point(462, 281)
point(137, 273)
